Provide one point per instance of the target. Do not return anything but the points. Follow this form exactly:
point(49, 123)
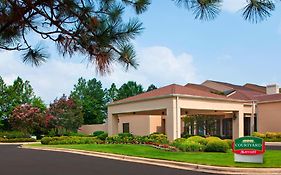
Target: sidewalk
point(170, 164)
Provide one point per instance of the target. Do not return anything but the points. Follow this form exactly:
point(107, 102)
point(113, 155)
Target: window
point(126, 128)
point(227, 127)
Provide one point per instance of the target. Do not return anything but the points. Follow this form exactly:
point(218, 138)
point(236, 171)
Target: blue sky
point(173, 48)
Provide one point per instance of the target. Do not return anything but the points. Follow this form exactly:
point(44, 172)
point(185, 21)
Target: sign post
point(248, 149)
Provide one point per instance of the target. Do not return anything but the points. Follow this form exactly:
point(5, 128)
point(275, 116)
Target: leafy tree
point(90, 95)
point(151, 87)
point(65, 113)
point(12, 96)
point(2, 100)
point(131, 88)
point(254, 11)
point(39, 103)
point(94, 28)
point(28, 119)
point(111, 93)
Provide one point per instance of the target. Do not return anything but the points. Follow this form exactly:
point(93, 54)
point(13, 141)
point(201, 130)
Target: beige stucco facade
point(269, 117)
point(172, 108)
point(141, 124)
point(89, 129)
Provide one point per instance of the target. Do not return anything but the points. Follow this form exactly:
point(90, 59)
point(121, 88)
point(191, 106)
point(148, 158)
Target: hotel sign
point(248, 149)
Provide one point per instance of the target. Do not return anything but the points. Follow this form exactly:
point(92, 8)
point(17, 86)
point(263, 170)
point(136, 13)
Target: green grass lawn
point(272, 158)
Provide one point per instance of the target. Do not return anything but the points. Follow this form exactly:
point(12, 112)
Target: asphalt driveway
point(17, 161)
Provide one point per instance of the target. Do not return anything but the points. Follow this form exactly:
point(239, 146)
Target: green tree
point(65, 113)
point(151, 87)
point(254, 11)
point(94, 28)
point(20, 92)
point(111, 93)
point(131, 88)
point(2, 101)
point(39, 103)
point(91, 96)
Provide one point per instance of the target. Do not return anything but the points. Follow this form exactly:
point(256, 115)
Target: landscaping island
point(271, 157)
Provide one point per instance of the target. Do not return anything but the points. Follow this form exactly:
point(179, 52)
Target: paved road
point(17, 161)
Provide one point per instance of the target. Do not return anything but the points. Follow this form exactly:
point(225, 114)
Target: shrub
point(271, 135)
point(198, 139)
point(179, 140)
point(14, 134)
point(229, 142)
point(140, 139)
point(121, 138)
point(14, 140)
point(212, 138)
point(257, 134)
point(216, 146)
point(190, 146)
point(186, 135)
point(102, 136)
point(157, 138)
point(97, 133)
point(69, 140)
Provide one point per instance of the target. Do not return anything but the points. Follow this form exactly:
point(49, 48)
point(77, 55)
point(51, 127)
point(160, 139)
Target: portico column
point(173, 120)
point(221, 126)
point(112, 122)
point(238, 125)
point(252, 120)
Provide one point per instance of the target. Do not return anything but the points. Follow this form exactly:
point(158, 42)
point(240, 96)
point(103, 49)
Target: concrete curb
point(20, 143)
point(273, 143)
point(166, 163)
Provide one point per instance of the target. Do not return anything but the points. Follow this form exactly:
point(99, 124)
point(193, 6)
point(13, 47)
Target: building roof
point(174, 89)
point(248, 92)
point(255, 87)
point(240, 92)
point(269, 98)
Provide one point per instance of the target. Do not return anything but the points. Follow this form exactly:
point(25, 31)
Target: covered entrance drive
point(167, 113)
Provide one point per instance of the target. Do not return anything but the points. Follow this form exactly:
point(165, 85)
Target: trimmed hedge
point(198, 139)
point(127, 138)
point(198, 143)
point(69, 140)
point(15, 140)
point(269, 136)
point(100, 135)
point(229, 142)
point(211, 138)
point(97, 133)
point(216, 146)
point(157, 138)
point(191, 146)
point(13, 134)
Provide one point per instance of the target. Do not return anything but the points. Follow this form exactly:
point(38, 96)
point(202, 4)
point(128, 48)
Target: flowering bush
point(64, 113)
point(28, 119)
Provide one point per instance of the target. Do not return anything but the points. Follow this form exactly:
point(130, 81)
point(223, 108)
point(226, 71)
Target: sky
point(173, 48)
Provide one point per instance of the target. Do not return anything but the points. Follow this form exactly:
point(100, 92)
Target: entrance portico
point(171, 108)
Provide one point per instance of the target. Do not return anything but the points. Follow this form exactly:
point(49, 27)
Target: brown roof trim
point(269, 101)
point(176, 95)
